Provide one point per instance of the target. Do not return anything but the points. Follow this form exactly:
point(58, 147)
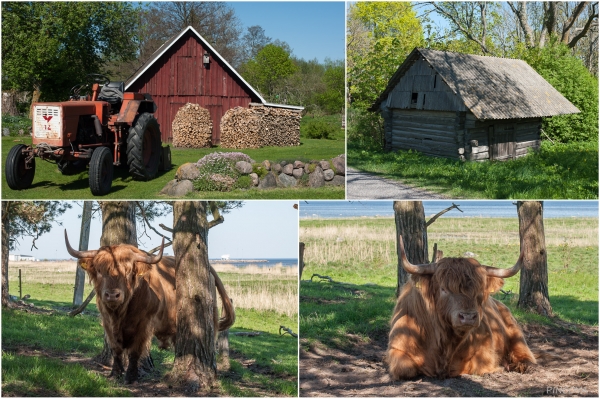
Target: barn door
point(502, 141)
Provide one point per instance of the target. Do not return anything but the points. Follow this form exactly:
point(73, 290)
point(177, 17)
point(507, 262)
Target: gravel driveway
point(363, 185)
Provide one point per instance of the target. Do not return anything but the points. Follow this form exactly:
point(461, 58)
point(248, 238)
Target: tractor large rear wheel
point(143, 147)
point(101, 171)
point(18, 176)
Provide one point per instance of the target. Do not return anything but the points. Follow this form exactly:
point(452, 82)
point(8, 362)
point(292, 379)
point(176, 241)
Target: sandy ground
point(570, 369)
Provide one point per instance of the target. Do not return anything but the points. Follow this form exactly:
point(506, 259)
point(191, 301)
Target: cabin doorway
point(502, 141)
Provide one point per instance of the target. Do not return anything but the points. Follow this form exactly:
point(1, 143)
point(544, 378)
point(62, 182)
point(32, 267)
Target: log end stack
point(260, 126)
point(240, 128)
point(192, 127)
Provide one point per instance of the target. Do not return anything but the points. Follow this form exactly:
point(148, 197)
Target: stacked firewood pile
point(260, 126)
point(240, 128)
point(192, 127)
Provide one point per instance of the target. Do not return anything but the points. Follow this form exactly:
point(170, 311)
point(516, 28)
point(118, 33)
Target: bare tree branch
point(217, 217)
point(433, 219)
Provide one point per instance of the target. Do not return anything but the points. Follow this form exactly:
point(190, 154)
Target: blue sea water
point(470, 208)
point(285, 262)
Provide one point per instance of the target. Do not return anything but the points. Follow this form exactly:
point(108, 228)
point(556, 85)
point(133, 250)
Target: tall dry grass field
point(251, 287)
point(369, 243)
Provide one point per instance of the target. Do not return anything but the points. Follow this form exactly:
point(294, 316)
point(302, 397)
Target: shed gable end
point(421, 87)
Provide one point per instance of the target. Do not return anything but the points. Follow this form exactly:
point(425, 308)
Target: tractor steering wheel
point(76, 90)
point(98, 78)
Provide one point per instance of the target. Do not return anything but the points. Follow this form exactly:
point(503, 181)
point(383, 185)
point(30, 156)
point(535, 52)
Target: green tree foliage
point(381, 35)
point(271, 65)
point(50, 46)
point(570, 77)
point(331, 100)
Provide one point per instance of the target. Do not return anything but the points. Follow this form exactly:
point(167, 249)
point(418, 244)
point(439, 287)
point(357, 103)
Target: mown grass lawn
point(49, 183)
point(37, 347)
point(557, 171)
point(363, 264)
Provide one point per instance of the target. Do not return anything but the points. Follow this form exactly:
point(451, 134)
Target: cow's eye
point(443, 291)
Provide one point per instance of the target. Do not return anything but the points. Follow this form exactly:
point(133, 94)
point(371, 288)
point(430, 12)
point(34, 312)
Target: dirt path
point(363, 185)
point(572, 370)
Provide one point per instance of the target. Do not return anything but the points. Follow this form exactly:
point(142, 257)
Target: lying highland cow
point(135, 294)
point(446, 323)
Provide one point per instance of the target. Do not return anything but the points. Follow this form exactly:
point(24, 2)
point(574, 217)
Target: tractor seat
point(112, 92)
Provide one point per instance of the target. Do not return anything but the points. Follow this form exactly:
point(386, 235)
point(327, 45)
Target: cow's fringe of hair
point(228, 316)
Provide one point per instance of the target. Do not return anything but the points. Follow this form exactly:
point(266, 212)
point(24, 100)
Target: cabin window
point(434, 80)
point(413, 100)
point(423, 106)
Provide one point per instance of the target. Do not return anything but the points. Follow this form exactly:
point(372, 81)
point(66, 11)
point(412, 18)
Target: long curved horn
point(78, 254)
point(151, 259)
point(228, 312)
point(505, 273)
point(428, 268)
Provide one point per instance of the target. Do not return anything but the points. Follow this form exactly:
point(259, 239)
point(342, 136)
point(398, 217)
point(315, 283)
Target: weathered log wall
point(459, 134)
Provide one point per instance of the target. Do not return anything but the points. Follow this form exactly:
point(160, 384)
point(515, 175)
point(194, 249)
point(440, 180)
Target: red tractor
point(105, 128)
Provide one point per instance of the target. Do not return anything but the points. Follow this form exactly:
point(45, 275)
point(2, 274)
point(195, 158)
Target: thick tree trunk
point(9, 103)
point(5, 249)
point(301, 259)
point(195, 364)
point(533, 291)
point(118, 223)
point(37, 93)
point(410, 224)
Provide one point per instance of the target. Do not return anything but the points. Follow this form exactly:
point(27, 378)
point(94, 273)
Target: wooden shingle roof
point(490, 87)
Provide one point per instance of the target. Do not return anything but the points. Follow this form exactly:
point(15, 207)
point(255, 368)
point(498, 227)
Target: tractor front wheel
point(18, 176)
point(144, 147)
point(101, 171)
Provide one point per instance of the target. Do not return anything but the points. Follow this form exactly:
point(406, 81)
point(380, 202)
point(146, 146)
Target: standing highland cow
point(135, 294)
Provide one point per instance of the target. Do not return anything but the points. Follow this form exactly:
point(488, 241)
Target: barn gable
point(187, 69)
point(489, 87)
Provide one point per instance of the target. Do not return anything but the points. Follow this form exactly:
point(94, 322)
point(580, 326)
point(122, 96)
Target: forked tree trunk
point(118, 227)
point(195, 365)
point(5, 249)
point(410, 224)
point(533, 291)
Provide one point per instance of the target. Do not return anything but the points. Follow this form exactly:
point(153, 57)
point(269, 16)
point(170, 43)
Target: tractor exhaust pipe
point(97, 125)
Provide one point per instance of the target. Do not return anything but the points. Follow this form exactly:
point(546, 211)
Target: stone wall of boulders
point(260, 126)
point(268, 175)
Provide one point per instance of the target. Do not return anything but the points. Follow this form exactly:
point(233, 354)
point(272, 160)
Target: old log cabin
point(467, 106)
point(187, 69)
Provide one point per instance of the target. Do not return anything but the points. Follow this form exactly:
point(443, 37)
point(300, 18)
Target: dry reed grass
point(369, 240)
point(251, 287)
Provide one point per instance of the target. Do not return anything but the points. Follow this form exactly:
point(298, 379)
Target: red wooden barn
point(186, 69)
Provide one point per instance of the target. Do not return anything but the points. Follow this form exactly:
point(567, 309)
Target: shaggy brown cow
point(446, 323)
point(135, 294)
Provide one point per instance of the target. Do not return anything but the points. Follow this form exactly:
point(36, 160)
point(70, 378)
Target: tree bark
point(533, 291)
point(410, 224)
point(301, 259)
point(118, 223)
point(5, 252)
point(195, 365)
point(9, 103)
point(84, 238)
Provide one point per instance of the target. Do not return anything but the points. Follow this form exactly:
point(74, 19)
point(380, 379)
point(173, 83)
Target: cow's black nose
point(467, 317)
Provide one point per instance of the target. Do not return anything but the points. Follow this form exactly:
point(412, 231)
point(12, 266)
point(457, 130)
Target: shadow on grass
point(334, 313)
point(40, 376)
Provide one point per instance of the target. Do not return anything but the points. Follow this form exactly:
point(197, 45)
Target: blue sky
point(258, 230)
point(312, 29)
